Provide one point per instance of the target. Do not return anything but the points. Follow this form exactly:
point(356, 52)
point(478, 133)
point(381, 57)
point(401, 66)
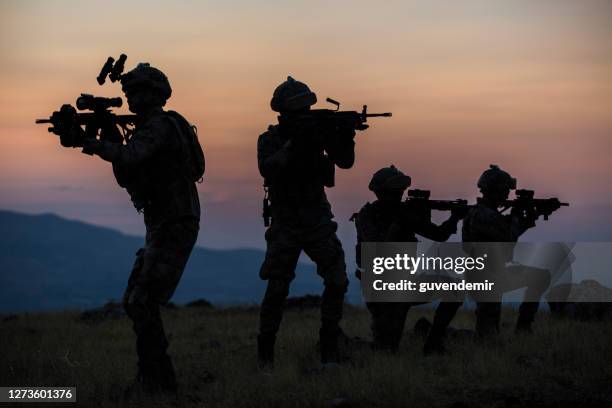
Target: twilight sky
point(523, 84)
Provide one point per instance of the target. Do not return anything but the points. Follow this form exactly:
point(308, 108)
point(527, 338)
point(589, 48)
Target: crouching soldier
point(388, 220)
point(485, 223)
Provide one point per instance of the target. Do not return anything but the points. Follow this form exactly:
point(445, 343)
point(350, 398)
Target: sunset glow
point(526, 85)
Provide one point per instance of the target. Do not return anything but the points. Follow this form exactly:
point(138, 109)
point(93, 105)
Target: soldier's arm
point(439, 233)
point(519, 224)
point(494, 227)
point(122, 174)
point(341, 148)
point(270, 159)
point(145, 142)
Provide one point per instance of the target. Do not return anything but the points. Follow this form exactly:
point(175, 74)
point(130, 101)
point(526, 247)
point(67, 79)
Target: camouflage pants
point(155, 275)
point(284, 245)
point(512, 277)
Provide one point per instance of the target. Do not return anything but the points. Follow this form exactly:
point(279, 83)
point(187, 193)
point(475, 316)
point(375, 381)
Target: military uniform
point(484, 223)
point(297, 163)
point(151, 166)
point(391, 221)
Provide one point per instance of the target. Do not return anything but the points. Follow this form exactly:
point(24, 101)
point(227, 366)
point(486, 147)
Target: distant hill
point(48, 262)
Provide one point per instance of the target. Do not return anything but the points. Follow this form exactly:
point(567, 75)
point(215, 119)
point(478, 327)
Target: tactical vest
point(299, 193)
point(163, 186)
point(372, 224)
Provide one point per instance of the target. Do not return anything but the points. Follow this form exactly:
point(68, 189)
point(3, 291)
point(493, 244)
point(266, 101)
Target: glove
point(111, 133)
point(91, 146)
point(66, 127)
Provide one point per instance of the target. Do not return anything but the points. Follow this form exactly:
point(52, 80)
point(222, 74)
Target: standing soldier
point(158, 166)
point(388, 220)
point(297, 160)
point(484, 223)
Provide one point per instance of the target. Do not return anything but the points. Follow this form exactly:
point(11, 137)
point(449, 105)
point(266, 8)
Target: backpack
point(356, 218)
point(195, 163)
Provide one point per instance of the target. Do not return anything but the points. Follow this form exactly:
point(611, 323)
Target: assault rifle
point(418, 200)
point(99, 118)
point(524, 203)
point(335, 118)
point(421, 197)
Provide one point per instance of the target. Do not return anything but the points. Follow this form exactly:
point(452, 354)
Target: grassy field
point(565, 363)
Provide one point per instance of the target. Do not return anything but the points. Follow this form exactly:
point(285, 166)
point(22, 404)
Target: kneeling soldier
point(388, 220)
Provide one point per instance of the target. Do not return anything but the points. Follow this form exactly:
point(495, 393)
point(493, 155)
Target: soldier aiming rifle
point(486, 223)
point(389, 219)
point(297, 159)
point(157, 158)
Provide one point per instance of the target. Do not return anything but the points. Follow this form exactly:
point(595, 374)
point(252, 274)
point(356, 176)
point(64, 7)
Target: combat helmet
point(389, 178)
point(148, 76)
point(292, 95)
point(495, 178)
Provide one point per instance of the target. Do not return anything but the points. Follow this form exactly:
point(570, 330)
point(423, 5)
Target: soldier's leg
point(162, 264)
point(488, 316)
point(445, 312)
point(133, 312)
point(324, 248)
point(488, 303)
point(450, 302)
point(388, 321)
point(278, 269)
point(270, 317)
point(537, 281)
point(155, 367)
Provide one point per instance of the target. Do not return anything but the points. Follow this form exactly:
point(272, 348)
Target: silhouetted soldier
point(388, 220)
point(297, 160)
point(157, 166)
point(484, 223)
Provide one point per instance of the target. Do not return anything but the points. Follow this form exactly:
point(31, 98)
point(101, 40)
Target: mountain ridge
point(49, 262)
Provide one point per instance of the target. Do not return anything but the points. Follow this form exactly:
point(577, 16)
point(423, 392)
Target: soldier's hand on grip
point(66, 127)
point(111, 133)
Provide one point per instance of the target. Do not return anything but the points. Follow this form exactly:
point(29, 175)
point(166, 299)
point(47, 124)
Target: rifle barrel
point(374, 115)
point(43, 120)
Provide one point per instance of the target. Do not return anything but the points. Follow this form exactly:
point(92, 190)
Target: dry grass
point(565, 363)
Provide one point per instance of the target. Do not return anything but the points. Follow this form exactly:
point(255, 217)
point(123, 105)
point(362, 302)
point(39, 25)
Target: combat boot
point(265, 351)
point(158, 376)
point(527, 312)
point(445, 312)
